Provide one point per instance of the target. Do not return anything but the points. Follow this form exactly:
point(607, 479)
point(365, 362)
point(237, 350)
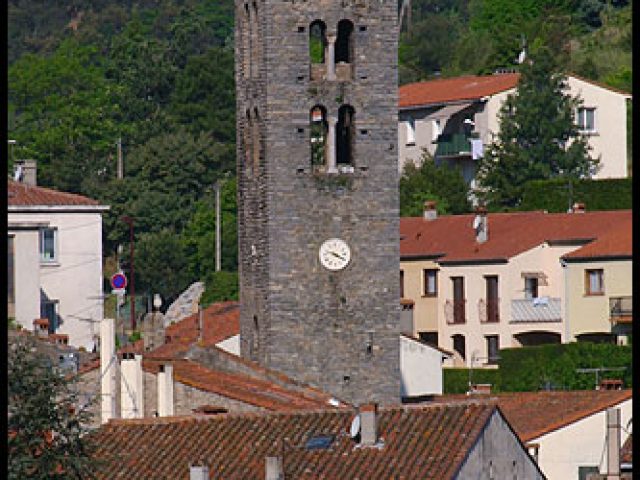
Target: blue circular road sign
point(118, 281)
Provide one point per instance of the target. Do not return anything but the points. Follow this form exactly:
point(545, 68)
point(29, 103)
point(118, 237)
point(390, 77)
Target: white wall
point(231, 345)
point(581, 443)
point(75, 279)
point(420, 368)
point(26, 276)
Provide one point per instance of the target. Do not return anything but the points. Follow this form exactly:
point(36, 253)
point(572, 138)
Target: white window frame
point(43, 258)
point(411, 131)
point(581, 119)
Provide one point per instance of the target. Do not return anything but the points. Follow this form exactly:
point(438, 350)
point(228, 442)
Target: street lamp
point(129, 221)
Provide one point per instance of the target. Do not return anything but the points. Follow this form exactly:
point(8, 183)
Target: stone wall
point(334, 330)
point(186, 304)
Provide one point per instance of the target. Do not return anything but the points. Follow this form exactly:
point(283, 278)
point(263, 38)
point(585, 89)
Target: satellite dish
point(354, 431)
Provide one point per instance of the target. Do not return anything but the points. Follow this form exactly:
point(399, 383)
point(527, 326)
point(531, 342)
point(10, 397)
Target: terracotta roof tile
point(616, 242)
point(532, 414)
point(451, 238)
point(20, 194)
point(417, 442)
point(445, 90)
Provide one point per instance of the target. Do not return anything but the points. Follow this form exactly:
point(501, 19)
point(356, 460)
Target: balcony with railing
point(621, 309)
point(454, 145)
point(454, 311)
point(536, 310)
point(489, 310)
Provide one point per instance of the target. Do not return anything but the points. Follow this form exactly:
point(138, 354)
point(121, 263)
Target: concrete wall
point(582, 443)
point(425, 309)
point(74, 279)
point(590, 313)
point(609, 141)
point(420, 368)
point(498, 454)
point(26, 267)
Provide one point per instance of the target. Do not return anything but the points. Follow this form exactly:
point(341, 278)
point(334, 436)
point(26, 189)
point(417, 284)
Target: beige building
point(55, 260)
point(455, 118)
point(489, 281)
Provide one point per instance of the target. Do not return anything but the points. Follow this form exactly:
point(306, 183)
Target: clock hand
point(337, 255)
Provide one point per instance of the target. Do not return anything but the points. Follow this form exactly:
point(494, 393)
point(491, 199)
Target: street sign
point(118, 281)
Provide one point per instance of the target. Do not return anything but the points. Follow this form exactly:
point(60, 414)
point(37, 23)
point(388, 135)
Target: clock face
point(334, 254)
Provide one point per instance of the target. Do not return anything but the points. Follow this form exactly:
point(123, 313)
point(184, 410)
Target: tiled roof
point(616, 242)
point(243, 388)
point(417, 442)
point(445, 90)
point(452, 237)
point(20, 194)
point(533, 414)
point(466, 88)
point(220, 321)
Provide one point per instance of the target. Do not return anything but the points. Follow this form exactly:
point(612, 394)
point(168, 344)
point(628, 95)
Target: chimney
point(29, 172)
point(579, 207)
point(613, 444)
point(481, 225)
point(198, 472)
point(107, 372)
point(41, 327)
point(430, 212)
point(273, 469)
point(369, 424)
point(132, 386)
point(165, 390)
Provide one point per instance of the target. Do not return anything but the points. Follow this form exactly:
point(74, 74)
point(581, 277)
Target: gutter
point(57, 208)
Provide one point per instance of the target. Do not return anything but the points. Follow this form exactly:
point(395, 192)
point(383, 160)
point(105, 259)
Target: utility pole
point(218, 243)
point(120, 172)
point(132, 297)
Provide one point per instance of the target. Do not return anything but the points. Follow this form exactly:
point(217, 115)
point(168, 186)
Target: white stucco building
point(523, 284)
point(455, 118)
point(55, 261)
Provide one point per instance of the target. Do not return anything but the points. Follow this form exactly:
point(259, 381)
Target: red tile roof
point(451, 238)
point(20, 194)
point(417, 442)
point(248, 390)
point(446, 90)
point(533, 414)
point(616, 242)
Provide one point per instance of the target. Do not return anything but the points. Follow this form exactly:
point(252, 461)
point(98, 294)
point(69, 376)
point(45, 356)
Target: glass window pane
point(589, 119)
point(47, 244)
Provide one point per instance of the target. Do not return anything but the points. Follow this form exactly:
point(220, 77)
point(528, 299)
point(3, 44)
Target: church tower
point(318, 192)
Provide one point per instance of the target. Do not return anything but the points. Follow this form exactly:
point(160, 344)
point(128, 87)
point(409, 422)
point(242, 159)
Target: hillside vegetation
point(158, 76)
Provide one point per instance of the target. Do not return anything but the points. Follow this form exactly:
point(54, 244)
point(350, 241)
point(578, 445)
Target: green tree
point(46, 420)
point(443, 184)
point(220, 286)
point(161, 264)
point(538, 136)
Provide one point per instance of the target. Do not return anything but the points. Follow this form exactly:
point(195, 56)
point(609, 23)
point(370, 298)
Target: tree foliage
point(46, 419)
point(538, 137)
point(443, 184)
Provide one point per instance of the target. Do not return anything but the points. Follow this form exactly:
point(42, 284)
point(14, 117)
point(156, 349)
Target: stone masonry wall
point(334, 330)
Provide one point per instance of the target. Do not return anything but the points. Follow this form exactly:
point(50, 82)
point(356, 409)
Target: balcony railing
point(453, 145)
point(454, 311)
point(621, 309)
point(489, 311)
point(536, 310)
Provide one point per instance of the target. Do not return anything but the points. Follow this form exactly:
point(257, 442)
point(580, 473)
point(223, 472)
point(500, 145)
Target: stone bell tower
point(318, 192)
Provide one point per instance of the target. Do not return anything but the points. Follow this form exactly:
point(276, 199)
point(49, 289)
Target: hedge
point(553, 195)
point(456, 380)
point(555, 366)
point(546, 367)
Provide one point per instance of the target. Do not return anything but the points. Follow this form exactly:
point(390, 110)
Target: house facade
point(455, 118)
point(55, 261)
point(517, 286)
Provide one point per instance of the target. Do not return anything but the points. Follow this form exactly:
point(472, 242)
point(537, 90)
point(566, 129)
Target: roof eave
point(598, 258)
point(57, 208)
